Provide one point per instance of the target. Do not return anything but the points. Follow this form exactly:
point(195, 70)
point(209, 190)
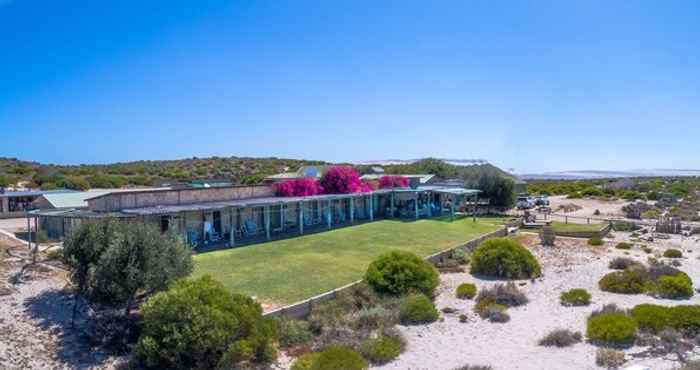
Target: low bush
point(625, 226)
point(229, 328)
point(609, 358)
point(374, 318)
point(622, 263)
point(400, 273)
point(418, 309)
point(383, 349)
point(630, 281)
point(651, 317)
point(673, 253)
point(560, 338)
point(504, 257)
point(305, 361)
point(494, 312)
point(647, 250)
point(611, 329)
point(674, 287)
point(596, 241)
point(690, 365)
point(339, 358)
point(575, 297)
point(547, 235)
point(473, 367)
point(461, 256)
point(466, 291)
point(655, 318)
point(505, 294)
point(293, 333)
point(623, 245)
point(55, 255)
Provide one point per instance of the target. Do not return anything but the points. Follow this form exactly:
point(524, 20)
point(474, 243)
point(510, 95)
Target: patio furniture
point(249, 228)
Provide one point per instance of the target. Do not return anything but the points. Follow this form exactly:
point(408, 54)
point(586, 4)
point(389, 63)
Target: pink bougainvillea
point(393, 181)
point(341, 180)
point(298, 188)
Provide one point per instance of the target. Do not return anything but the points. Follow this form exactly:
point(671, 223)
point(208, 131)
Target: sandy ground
point(571, 264)
point(35, 316)
point(13, 224)
point(607, 208)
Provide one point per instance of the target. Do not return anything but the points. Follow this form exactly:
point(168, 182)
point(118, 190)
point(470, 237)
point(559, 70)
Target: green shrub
point(652, 317)
point(305, 361)
point(55, 255)
point(673, 253)
point(674, 287)
point(293, 333)
point(647, 250)
point(461, 256)
point(611, 328)
point(399, 273)
point(575, 297)
point(466, 291)
point(504, 257)
point(595, 241)
point(198, 324)
point(655, 318)
point(630, 281)
point(417, 309)
point(686, 319)
point(339, 358)
point(382, 350)
point(623, 245)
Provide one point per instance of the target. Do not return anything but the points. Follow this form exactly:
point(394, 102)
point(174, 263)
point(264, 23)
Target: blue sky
point(532, 85)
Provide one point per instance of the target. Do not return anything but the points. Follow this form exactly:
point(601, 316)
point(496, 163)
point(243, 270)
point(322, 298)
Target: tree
point(499, 189)
point(198, 324)
point(112, 261)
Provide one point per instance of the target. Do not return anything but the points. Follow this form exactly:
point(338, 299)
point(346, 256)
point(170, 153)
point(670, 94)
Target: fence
point(302, 309)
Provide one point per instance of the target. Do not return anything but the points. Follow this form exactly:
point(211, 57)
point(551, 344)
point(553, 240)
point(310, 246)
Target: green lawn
point(290, 270)
point(560, 227)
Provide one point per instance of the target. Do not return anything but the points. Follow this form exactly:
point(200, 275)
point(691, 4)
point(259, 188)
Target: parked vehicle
point(542, 201)
point(525, 201)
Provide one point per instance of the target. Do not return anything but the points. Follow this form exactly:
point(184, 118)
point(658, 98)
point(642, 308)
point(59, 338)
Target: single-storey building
point(16, 203)
point(245, 214)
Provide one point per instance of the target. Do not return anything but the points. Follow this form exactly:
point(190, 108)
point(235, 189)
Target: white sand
point(607, 208)
point(513, 345)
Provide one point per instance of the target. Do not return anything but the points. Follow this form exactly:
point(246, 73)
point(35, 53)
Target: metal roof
point(71, 200)
point(34, 193)
point(423, 178)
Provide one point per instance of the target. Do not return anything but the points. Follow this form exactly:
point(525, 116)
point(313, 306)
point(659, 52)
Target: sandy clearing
point(513, 345)
point(607, 208)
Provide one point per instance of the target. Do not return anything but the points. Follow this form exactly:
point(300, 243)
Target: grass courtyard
point(286, 271)
point(560, 227)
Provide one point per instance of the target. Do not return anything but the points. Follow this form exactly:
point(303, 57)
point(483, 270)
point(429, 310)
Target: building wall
point(126, 200)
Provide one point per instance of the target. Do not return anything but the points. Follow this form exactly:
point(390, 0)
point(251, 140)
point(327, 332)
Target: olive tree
point(113, 261)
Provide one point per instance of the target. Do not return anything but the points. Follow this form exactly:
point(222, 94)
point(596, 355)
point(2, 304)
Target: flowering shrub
point(298, 188)
point(342, 180)
point(393, 182)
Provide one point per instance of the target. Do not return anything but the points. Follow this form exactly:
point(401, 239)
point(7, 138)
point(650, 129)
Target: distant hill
point(239, 170)
point(594, 174)
point(469, 170)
